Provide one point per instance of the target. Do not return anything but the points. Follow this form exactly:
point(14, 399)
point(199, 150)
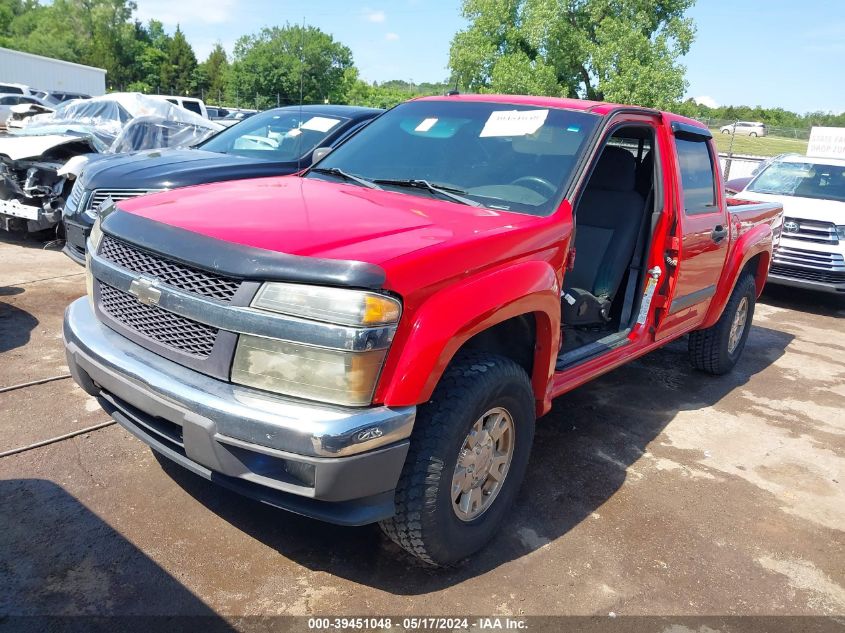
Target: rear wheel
point(717, 349)
point(754, 134)
point(468, 455)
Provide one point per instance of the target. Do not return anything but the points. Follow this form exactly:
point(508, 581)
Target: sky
point(773, 53)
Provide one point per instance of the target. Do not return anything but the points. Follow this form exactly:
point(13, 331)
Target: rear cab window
point(193, 106)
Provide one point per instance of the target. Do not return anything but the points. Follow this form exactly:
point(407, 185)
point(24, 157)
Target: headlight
point(332, 305)
point(840, 231)
point(305, 371)
point(314, 373)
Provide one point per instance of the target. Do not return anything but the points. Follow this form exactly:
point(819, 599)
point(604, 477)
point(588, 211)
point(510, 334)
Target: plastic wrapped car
point(35, 173)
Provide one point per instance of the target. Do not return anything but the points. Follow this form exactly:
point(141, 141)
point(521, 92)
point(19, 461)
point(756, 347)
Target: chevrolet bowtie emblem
point(145, 290)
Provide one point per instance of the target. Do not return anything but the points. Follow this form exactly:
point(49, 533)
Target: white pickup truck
point(811, 252)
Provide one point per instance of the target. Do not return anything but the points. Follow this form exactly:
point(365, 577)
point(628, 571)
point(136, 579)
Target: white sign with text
point(827, 142)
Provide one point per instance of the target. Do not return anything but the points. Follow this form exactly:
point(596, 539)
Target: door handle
point(718, 233)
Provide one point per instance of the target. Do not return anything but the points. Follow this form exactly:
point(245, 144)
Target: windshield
point(803, 180)
point(503, 156)
point(278, 135)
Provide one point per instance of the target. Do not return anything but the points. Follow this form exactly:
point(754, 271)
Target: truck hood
point(802, 208)
point(309, 217)
point(169, 169)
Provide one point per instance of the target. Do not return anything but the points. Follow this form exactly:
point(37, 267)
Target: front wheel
point(717, 349)
point(468, 455)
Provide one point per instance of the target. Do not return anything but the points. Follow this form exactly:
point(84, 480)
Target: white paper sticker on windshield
point(319, 124)
point(514, 122)
point(426, 125)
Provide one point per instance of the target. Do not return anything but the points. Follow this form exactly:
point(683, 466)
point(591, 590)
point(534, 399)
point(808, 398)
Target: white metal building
point(45, 73)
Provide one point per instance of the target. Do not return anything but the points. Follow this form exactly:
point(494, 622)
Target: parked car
point(276, 142)
point(54, 98)
point(9, 100)
point(15, 89)
point(216, 112)
point(372, 340)
point(39, 161)
point(189, 103)
point(236, 116)
point(19, 113)
point(811, 252)
point(745, 128)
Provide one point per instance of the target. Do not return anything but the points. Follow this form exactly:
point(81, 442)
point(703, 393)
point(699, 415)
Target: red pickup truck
point(371, 340)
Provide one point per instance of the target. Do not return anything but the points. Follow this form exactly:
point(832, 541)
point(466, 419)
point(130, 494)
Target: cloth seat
point(607, 228)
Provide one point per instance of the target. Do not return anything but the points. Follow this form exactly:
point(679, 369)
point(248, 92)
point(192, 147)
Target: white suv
point(197, 106)
point(745, 128)
point(811, 251)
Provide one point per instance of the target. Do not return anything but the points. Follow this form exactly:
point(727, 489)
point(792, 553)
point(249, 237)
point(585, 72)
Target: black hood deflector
point(237, 260)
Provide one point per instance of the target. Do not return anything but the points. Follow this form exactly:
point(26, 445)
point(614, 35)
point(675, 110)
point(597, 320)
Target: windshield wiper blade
point(335, 171)
point(452, 193)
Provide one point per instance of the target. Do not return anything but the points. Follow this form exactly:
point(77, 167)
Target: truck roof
point(596, 107)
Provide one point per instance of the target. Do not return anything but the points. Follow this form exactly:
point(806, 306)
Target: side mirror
point(319, 154)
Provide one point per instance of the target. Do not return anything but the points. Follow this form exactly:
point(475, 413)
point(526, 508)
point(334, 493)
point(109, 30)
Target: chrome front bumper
point(237, 435)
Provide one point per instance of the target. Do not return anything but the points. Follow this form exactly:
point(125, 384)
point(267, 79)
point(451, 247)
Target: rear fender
point(755, 241)
point(452, 316)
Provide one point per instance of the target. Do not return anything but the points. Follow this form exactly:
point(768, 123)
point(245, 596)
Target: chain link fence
point(771, 130)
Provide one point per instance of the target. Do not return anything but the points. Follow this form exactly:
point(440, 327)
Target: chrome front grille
point(810, 231)
point(99, 196)
point(172, 273)
point(171, 330)
point(810, 259)
point(799, 263)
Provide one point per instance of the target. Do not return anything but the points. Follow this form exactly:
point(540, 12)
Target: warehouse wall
point(45, 73)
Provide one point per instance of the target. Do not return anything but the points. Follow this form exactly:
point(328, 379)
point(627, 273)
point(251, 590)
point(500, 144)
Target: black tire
point(709, 349)
point(425, 523)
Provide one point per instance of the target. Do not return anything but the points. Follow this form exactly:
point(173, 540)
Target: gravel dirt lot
point(654, 490)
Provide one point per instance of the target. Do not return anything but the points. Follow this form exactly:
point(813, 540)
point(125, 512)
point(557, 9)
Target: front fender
point(439, 327)
point(753, 242)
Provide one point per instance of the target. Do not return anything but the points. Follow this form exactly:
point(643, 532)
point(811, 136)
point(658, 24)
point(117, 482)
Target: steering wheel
point(537, 184)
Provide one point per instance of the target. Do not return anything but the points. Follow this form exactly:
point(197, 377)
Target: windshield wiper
point(452, 193)
point(335, 171)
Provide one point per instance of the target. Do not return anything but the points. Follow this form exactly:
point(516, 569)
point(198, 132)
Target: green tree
point(177, 72)
point(150, 58)
point(389, 93)
point(95, 32)
point(615, 50)
point(215, 70)
point(279, 62)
